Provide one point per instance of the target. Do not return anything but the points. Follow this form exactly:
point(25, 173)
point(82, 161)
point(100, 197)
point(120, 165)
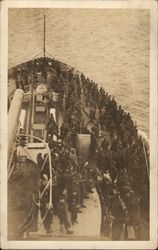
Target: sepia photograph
point(79, 124)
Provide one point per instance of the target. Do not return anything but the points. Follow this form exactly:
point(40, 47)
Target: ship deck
point(89, 220)
point(88, 227)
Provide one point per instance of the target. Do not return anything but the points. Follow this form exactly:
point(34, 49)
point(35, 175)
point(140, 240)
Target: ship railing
point(10, 166)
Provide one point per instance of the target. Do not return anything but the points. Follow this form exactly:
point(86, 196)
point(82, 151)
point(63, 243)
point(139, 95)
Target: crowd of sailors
point(120, 171)
point(125, 195)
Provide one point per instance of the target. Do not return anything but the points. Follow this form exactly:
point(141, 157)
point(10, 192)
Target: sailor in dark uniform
point(119, 215)
point(46, 212)
point(39, 160)
point(74, 209)
point(62, 214)
point(55, 192)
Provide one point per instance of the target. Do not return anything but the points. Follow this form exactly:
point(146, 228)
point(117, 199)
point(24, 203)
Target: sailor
point(60, 177)
point(113, 170)
point(113, 104)
point(93, 144)
point(98, 157)
point(82, 189)
point(95, 131)
point(60, 148)
point(46, 169)
point(90, 182)
point(74, 208)
point(63, 131)
point(106, 221)
point(68, 183)
point(49, 80)
point(83, 171)
point(55, 193)
point(46, 212)
point(104, 144)
point(73, 158)
point(70, 75)
point(118, 213)
point(62, 214)
point(105, 160)
point(39, 160)
point(129, 230)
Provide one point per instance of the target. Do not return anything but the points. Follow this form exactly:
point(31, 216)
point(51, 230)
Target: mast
point(44, 37)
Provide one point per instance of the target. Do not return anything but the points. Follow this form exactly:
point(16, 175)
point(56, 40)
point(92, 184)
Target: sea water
point(110, 46)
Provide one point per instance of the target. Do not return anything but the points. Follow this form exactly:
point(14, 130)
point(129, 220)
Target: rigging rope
point(58, 59)
point(50, 55)
point(31, 58)
point(37, 55)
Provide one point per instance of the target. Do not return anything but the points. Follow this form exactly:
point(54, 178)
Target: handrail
point(146, 160)
point(11, 170)
point(45, 160)
point(45, 188)
point(11, 158)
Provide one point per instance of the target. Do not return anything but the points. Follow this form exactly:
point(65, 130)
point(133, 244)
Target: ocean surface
point(110, 46)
